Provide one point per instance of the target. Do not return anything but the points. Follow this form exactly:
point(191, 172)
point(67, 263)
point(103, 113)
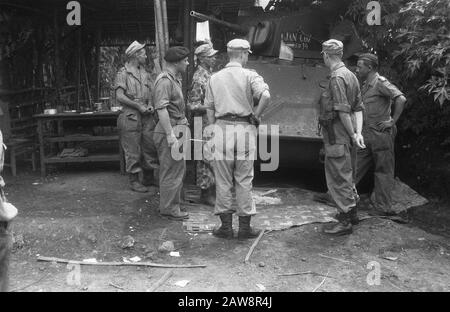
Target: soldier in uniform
point(7, 212)
point(5, 246)
point(205, 55)
point(340, 134)
point(136, 122)
point(230, 98)
point(170, 106)
point(379, 132)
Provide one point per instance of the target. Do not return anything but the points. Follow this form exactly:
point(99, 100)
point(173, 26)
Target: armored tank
point(286, 46)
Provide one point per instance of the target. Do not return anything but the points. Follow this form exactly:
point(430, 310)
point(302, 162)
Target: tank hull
point(295, 93)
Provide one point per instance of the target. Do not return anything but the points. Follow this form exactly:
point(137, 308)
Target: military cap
point(176, 54)
point(332, 46)
point(239, 44)
point(133, 48)
point(369, 59)
point(206, 50)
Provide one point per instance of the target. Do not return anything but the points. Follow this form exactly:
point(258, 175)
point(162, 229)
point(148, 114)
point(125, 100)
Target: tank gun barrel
point(234, 27)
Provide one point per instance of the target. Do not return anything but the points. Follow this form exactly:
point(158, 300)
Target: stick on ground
point(247, 257)
point(302, 273)
point(337, 259)
point(29, 285)
point(318, 286)
point(161, 281)
point(145, 264)
point(116, 286)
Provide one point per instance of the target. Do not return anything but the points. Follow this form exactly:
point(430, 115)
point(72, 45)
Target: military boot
point(245, 230)
point(226, 229)
point(135, 185)
point(208, 196)
point(343, 227)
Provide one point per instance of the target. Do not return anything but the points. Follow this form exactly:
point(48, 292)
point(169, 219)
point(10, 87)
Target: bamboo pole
point(165, 24)
point(57, 58)
point(158, 61)
point(98, 37)
point(160, 28)
point(247, 257)
point(147, 264)
point(161, 281)
point(78, 71)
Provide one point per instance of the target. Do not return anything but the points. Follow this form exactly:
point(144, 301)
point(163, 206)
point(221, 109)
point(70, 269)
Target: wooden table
point(86, 120)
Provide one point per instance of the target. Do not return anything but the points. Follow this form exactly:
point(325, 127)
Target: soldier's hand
point(145, 110)
point(384, 125)
point(359, 140)
point(172, 139)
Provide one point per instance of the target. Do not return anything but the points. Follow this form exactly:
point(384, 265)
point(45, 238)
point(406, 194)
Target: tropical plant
point(414, 40)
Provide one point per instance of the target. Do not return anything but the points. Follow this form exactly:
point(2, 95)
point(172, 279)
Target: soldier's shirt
point(168, 94)
point(377, 93)
point(197, 93)
point(136, 84)
point(346, 97)
point(233, 90)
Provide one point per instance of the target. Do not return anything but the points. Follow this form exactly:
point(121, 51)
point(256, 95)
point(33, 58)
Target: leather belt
point(234, 118)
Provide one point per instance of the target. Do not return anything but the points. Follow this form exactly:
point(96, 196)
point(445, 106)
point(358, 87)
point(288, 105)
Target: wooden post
point(158, 64)
point(187, 6)
point(160, 27)
point(165, 24)
point(98, 37)
point(78, 69)
point(57, 61)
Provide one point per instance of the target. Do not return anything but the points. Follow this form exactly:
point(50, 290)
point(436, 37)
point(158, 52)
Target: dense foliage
point(413, 44)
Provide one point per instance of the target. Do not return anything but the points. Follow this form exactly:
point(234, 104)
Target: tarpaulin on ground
point(283, 208)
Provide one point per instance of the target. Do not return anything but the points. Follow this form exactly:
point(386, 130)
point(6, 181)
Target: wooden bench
point(19, 147)
point(21, 139)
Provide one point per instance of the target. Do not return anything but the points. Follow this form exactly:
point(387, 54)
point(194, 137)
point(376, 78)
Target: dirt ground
point(81, 213)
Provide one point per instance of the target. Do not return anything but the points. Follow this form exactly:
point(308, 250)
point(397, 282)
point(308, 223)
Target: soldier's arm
point(209, 104)
point(389, 90)
point(263, 103)
point(126, 101)
point(195, 96)
point(120, 85)
point(261, 92)
point(341, 105)
point(399, 106)
point(162, 100)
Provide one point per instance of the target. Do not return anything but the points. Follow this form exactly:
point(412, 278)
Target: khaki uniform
point(5, 233)
point(377, 93)
point(168, 94)
point(345, 97)
point(231, 92)
point(196, 97)
point(5, 249)
point(136, 131)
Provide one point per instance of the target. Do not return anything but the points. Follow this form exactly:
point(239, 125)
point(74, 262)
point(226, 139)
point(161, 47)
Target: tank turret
point(295, 81)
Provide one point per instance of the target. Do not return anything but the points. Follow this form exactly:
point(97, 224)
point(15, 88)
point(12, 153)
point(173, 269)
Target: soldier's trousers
point(136, 138)
point(234, 163)
point(379, 154)
point(171, 175)
point(339, 175)
point(5, 247)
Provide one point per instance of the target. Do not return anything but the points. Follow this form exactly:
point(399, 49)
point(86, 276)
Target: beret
point(133, 48)
point(239, 44)
point(205, 50)
point(332, 46)
point(176, 54)
point(370, 58)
